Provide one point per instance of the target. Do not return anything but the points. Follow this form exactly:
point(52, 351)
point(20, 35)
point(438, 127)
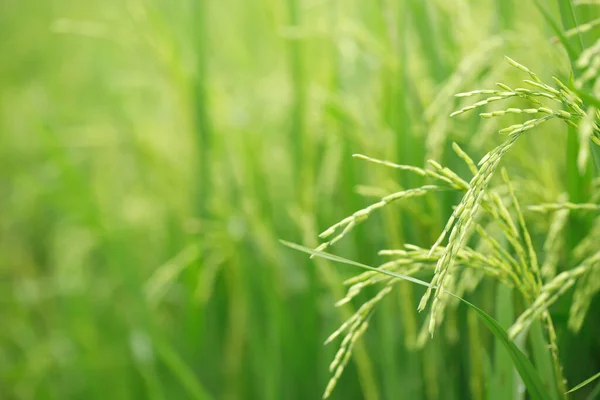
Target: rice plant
point(458, 268)
point(154, 152)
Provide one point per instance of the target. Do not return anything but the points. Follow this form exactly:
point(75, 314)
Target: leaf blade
point(585, 383)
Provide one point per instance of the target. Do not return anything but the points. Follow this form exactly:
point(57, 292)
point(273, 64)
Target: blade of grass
point(573, 55)
point(525, 368)
point(476, 375)
point(542, 358)
point(502, 384)
point(567, 15)
point(585, 383)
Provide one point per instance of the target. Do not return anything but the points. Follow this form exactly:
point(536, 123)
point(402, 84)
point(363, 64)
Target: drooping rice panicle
point(355, 326)
point(523, 68)
point(540, 85)
point(339, 355)
point(495, 92)
point(462, 218)
point(527, 125)
point(501, 113)
point(532, 256)
point(516, 265)
point(361, 314)
point(498, 96)
point(343, 357)
point(416, 170)
point(456, 181)
point(586, 56)
point(440, 173)
point(464, 215)
point(551, 207)
point(414, 259)
point(488, 165)
point(549, 293)
point(582, 28)
point(350, 222)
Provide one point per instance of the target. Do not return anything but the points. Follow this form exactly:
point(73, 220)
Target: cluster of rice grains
point(458, 268)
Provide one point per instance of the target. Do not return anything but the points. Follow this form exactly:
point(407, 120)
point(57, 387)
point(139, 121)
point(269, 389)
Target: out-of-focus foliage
point(153, 152)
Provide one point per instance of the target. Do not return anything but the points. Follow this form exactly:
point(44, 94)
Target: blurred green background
point(153, 152)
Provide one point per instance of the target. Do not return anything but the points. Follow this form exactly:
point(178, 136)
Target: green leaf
point(558, 32)
point(502, 385)
point(584, 383)
point(567, 15)
point(526, 370)
point(587, 97)
point(543, 359)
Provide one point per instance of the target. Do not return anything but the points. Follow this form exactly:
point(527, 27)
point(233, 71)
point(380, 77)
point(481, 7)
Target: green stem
point(567, 16)
point(596, 157)
point(505, 13)
point(578, 183)
point(202, 119)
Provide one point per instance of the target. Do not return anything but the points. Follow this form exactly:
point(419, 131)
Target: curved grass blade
point(343, 260)
point(526, 370)
point(558, 32)
point(567, 15)
point(585, 383)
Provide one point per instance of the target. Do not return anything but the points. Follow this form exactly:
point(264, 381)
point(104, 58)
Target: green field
point(154, 153)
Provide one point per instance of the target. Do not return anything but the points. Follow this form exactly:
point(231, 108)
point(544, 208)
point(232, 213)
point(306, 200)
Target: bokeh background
point(152, 154)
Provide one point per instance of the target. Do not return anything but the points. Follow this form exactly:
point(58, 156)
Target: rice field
point(155, 154)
